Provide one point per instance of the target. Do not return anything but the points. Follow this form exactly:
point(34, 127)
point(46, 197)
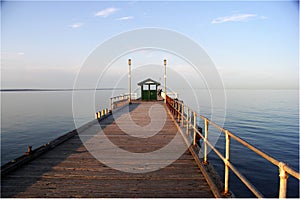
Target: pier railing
point(188, 118)
point(173, 95)
point(121, 100)
point(115, 103)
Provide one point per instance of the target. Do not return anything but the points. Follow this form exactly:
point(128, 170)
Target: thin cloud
point(125, 18)
point(264, 17)
point(106, 12)
point(76, 25)
point(20, 53)
point(238, 17)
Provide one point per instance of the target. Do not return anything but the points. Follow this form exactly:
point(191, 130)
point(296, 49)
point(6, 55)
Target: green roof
point(148, 81)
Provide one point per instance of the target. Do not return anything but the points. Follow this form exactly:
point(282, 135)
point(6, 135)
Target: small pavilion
point(149, 89)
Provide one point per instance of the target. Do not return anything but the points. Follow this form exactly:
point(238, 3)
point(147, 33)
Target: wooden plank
point(69, 170)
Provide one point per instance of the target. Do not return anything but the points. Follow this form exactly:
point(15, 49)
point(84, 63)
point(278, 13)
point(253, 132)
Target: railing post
point(195, 122)
point(174, 107)
point(283, 180)
point(205, 140)
point(227, 158)
point(187, 120)
point(182, 115)
point(178, 112)
point(111, 104)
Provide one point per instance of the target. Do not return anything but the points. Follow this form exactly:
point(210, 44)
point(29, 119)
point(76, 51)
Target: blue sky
point(252, 44)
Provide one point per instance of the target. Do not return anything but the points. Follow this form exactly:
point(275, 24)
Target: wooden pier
point(69, 170)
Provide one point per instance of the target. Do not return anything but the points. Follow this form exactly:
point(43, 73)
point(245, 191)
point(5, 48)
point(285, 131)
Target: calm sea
point(267, 119)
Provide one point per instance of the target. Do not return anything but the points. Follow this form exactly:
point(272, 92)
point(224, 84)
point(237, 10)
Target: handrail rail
point(169, 93)
point(185, 114)
point(121, 98)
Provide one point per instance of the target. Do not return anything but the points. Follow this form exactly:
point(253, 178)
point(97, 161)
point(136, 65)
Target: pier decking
point(69, 170)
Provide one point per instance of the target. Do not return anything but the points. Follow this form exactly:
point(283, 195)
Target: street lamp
point(165, 76)
point(129, 80)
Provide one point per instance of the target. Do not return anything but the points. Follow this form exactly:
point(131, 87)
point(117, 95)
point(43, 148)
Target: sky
point(252, 44)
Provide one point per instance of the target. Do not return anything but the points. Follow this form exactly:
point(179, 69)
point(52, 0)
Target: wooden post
point(187, 120)
point(175, 108)
point(283, 180)
point(205, 140)
point(29, 150)
point(178, 113)
point(111, 104)
point(227, 158)
point(174, 104)
point(182, 115)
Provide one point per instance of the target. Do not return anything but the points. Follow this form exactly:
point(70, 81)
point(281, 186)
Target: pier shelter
point(149, 89)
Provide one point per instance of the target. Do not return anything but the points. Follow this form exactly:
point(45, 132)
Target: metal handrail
point(184, 115)
point(121, 98)
point(169, 94)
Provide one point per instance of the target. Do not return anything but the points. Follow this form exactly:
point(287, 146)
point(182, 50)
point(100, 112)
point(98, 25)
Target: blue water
point(267, 119)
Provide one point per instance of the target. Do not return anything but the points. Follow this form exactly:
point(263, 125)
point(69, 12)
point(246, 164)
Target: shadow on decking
point(26, 175)
point(69, 170)
point(25, 171)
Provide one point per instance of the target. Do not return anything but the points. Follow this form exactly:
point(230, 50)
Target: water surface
point(267, 119)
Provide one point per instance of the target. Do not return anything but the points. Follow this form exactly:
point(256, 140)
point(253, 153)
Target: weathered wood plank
point(69, 170)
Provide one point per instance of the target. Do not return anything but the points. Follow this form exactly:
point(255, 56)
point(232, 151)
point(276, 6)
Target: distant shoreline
point(56, 89)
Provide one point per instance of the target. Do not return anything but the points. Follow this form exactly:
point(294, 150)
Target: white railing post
point(283, 180)
point(195, 126)
point(129, 79)
point(205, 140)
point(111, 104)
point(227, 158)
point(187, 120)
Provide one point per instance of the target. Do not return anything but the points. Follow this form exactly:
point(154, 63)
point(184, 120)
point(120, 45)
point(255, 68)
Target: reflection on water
point(267, 119)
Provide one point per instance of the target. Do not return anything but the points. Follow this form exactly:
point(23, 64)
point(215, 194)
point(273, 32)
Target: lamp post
point(129, 80)
point(165, 77)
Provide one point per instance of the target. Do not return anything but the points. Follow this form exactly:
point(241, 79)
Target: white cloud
point(125, 18)
point(264, 17)
point(76, 25)
point(237, 17)
point(20, 53)
point(106, 12)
